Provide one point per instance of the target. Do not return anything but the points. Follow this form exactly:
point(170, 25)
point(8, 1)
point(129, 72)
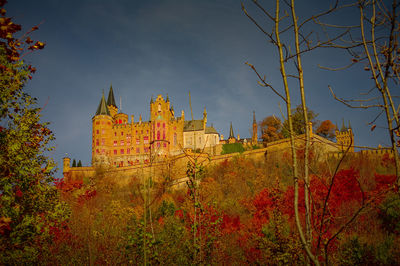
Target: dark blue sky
point(147, 48)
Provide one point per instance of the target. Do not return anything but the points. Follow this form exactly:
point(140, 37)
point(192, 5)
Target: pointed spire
point(110, 99)
point(151, 101)
point(231, 135)
point(350, 126)
point(167, 100)
point(343, 126)
point(102, 109)
point(254, 117)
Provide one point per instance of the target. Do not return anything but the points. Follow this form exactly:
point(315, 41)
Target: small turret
point(231, 138)
point(254, 137)
point(102, 109)
point(204, 117)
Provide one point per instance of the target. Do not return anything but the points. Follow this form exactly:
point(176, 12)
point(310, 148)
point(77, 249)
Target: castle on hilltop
point(116, 141)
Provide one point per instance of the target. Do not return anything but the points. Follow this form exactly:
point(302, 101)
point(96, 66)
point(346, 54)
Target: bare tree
point(373, 44)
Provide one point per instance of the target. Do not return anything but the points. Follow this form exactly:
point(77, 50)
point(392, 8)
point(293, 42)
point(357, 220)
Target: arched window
point(159, 107)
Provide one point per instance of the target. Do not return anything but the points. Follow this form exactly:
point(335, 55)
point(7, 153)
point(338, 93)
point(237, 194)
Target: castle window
point(137, 150)
point(115, 152)
point(137, 141)
point(158, 124)
point(163, 125)
point(97, 142)
point(122, 143)
point(103, 142)
point(102, 131)
point(108, 123)
point(122, 151)
point(115, 134)
point(97, 151)
point(158, 135)
point(119, 121)
point(165, 145)
point(174, 128)
point(97, 123)
point(147, 132)
point(103, 151)
point(158, 144)
point(102, 122)
point(122, 133)
point(115, 143)
point(142, 132)
point(159, 107)
point(163, 135)
point(136, 132)
point(97, 131)
point(146, 140)
point(128, 142)
point(146, 149)
point(128, 151)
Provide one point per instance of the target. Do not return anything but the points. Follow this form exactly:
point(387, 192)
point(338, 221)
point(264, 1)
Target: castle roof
point(231, 135)
point(102, 109)
point(111, 99)
point(193, 125)
point(210, 130)
point(343, 129)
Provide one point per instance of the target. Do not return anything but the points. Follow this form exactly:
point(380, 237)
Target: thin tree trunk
point(292, 140)
point(307, 129)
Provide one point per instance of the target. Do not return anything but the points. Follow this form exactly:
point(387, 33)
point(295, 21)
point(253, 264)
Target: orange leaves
point(37, 46)
point(373, 127)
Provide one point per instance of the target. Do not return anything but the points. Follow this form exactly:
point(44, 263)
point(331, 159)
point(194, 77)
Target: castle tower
point(204, 118)
point(231, 138)
point(160, 116)
point(112, 107)
point(345, 137)
point(101, 134)
point(254, 137)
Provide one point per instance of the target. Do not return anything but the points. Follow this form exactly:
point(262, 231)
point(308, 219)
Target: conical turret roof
point(254, 117)
point(343, 129)
point(102, 109)
point(111, 99)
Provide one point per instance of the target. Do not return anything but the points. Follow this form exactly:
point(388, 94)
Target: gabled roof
point(210, 130)
point(193, 125)
point(102, 109)
point(111, 99)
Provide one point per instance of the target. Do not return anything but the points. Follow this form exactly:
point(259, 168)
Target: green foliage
point(29, 205)
point(355, 252)
point(73, 163)
point(79, 163)
point(232, 148)
point(166, 209)
point(390, 213)
point(298, 121)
